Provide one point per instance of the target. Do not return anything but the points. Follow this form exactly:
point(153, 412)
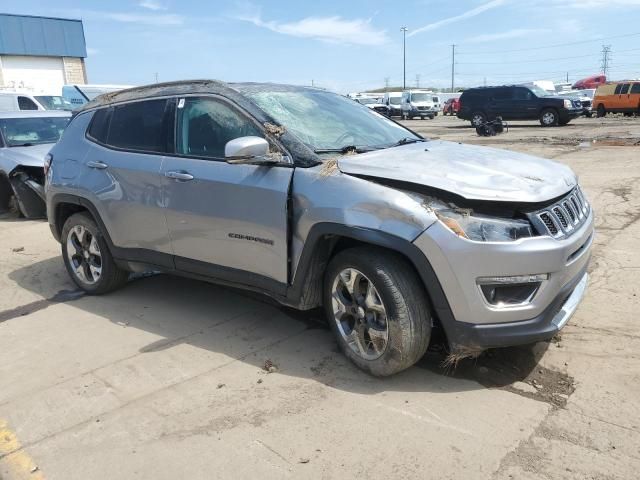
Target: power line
point(552, 46)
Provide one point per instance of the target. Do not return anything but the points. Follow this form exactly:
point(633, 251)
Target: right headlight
point(467, 224)
point(568, 104)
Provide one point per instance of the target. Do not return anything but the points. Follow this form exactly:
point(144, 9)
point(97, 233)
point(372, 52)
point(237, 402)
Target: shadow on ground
point(253, 329)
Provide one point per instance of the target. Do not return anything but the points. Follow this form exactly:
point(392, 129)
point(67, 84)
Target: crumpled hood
point(472, 172)
point(33, 156)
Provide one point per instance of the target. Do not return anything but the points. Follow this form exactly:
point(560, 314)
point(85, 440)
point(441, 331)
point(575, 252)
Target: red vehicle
point(590, 82)
point(451, 106)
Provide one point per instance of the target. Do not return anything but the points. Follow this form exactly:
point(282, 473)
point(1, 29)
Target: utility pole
point(417, 80)
point(404, 57)
point(156, 76)
point(386, 84)
point(567, 77)
point(606, 59)
point(453, 65)
point(312, 83)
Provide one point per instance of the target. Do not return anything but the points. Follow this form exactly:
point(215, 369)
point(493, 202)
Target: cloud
point(468, 14)
point(92, 51)
point(327, 29)
point(515, 33)
point(152, 5)
point(164, 19)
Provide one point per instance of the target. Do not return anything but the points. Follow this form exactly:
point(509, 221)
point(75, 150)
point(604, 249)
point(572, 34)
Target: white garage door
point(40, 74)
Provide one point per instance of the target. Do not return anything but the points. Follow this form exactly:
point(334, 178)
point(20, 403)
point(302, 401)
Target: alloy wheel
point(360, 314)
point(83, 253)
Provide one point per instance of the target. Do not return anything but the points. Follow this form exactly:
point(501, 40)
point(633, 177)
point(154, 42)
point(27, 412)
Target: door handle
point(183, 176)
point(98, 165)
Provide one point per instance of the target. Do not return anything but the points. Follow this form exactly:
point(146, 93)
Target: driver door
point(226, 221)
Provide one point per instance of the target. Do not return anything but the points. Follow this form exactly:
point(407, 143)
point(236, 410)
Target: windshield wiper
point(346, 149)
point(406, 141)
point(26, 144)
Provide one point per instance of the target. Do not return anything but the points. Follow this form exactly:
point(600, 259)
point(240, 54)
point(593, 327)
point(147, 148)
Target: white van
point(78, 95)
point(15, 101)
point(419, 103)
point(393, 100)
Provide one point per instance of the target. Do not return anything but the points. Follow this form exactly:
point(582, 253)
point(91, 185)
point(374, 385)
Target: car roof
point(185, 87)
point(35, 114)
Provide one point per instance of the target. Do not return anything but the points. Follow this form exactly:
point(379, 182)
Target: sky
point(350, 46)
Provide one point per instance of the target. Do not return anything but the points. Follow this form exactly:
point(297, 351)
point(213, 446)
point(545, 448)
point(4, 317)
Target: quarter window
point(617, 90)
point(206, 125)
point(99, 128)
point(139, 126)
point(25, 103)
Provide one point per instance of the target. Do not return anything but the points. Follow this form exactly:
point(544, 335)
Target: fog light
point(511, 290)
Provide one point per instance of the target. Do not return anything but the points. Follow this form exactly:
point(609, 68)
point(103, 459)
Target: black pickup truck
point(516, 102)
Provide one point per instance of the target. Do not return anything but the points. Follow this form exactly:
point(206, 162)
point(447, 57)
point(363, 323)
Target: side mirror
point(246, 147)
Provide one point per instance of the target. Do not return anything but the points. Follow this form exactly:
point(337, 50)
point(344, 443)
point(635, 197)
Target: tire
point(548, 117)
point(477, 119)
point(431, 117)
point(589, 114)
point(601, 112)
point(81, 235)
point(421, 118)
point(397, 291)
point(563, 122)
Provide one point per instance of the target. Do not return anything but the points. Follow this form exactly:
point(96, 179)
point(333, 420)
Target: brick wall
point(74, 70)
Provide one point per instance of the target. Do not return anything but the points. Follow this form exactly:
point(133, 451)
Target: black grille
point(548, 222)
point(560, 216)
point(586, 103)
point(569, 210)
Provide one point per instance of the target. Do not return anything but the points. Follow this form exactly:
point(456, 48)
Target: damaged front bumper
point(26, 185)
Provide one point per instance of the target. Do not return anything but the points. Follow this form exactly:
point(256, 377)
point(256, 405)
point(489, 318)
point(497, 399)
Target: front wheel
point(87, 257)
point(549, 117)
point(377, 309)
point(601, 112)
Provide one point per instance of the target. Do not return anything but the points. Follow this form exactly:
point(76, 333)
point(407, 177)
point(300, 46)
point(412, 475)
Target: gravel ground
point(165, 378)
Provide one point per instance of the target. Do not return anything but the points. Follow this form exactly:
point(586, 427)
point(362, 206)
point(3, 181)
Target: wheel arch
point(325, 240)
point(62, 206)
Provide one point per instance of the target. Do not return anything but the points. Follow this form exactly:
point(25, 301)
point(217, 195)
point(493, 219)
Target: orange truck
point(617, 97)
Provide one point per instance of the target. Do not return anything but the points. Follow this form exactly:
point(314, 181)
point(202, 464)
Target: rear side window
point(635, 88)
point(617, 90)
point(140, 126)
point(206, 125)
point(99, 128)
point(25, 103)
point(624, 89)
point(502, 94)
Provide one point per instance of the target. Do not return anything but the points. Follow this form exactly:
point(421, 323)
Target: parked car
point(78, 95)
point(305, 196)
point(451, 106)
point(517, 102)
point(15, 101)
point(374, 104)
point(586, 100)
point(393, 100)
point(618, 97)
point(590, 82)
point(418, 103)
point(25, 139)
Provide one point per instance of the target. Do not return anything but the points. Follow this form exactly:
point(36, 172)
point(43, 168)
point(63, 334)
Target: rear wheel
point(549, 117)
point(87, 257)
point(601, 112)
point(377, 309)
point(478, 118)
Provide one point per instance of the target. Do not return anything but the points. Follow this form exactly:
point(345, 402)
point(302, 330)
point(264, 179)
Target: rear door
point(524, 104)
point(501, 104)
point(226, 221)
point(122, 171)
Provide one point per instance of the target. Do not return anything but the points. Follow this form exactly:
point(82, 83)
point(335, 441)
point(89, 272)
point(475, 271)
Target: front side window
point(324, 120)
point(53, 102)
point(25, 103)
point(24, 132)
point(205, 125)
point(635, 88)
point(522, 94)
point(140, 126)
point(624, 89)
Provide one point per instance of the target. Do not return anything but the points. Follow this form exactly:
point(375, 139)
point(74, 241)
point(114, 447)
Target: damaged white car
point(25, 140)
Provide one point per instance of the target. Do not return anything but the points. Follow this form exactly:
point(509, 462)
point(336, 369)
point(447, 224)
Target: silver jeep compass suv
point(316, 200)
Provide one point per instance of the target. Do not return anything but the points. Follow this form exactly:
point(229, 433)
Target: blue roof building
point(41, 54)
